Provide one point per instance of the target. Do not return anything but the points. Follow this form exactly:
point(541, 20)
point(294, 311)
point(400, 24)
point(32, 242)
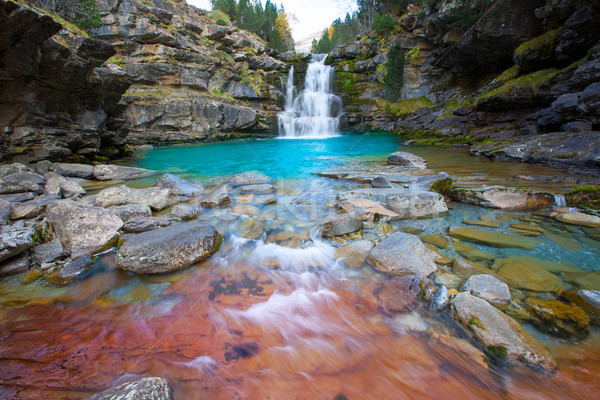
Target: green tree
point(394, 76)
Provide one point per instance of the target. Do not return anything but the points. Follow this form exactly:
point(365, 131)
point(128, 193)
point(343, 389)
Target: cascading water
point(315, 112)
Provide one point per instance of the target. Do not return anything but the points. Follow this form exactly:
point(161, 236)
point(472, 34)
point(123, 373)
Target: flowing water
point(275, 314)
point(315, 112)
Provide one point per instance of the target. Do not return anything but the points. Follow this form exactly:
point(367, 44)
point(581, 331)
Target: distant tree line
point(269, 22)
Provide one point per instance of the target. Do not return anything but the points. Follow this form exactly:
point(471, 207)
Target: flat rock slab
point(47, 252)
point(500, 335)
point(15, 240)
point(143, 389)
point(144, 224)
point(83, 229)
point(407, 203)
point(179, 186)
point(578, 218)
point(494, 239)
point(402, 254)
point(168, 249)
point(74, 170)
point(32, 208)
point(154, 197)
point(106, 172)
point(367, 210)
point(527, 275)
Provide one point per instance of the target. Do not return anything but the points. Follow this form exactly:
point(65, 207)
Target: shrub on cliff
point(83, 13)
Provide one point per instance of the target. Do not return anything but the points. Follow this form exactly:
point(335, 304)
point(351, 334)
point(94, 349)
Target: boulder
point(143, 224)
point(74, 170)
point(186, 211)
point(341, 225)
point(14, 240)
point(106, 172)
point(402, 254)
point(59, 185)
point(32, 208)
point(168, 249)
point(500, 335)
point(153, 197)
point(367, 210)
point(249, 178)
point(143, 389)
point(406, 203)
point(22, 182)
point(488, 287)
point(407, 160)
point(380, 182)
point(503, 198)
point(218, 197)
point(179, 186)
point(47, 252)
point(494, 239)
point(131, 211)
point(440, 299)
point(83, 229)
point(355, 253)
point(579, 218)
point(15, 265)
point(558, 318)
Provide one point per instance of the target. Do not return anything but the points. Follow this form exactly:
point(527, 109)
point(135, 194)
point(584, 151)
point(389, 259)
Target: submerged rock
point(244, 209)
point(471, 253)
point(523, 274)
point(257, 188)
point(341, 225)
point(218, 197)
point(588, 300)
point(488, 287)
point(407, 160)
point(249, 178)
point(108, 172)
point(143, 389)
point(402, 254)
point(494, 239)
point(168, 249)
point(380, 182)
point(83, 229)
point(71, 270)
point(155, 198)
point(436, 239)
point(500, 335)
point(558, 318)
point(354, 254)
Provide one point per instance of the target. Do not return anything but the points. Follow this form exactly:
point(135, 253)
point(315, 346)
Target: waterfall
point(559, 200)
point(315, 112)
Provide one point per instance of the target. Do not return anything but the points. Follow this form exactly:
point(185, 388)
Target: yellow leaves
point(330, 32)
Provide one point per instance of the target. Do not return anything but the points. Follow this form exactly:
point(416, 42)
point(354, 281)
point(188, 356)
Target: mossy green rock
point(441, 186)
point(558, 318)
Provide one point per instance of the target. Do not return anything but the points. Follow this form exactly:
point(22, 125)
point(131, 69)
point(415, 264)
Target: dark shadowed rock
point(5, 209)
point(558, 318)
point(107, 172)
point(15, 240)
point(83, 229)
point(168, 249)
point(143, 389)
point(403, 254)
point(143, 224)
point(74, 170)
point(15, 265)
point(179, 186)
point(71, 270)
point(154, 197)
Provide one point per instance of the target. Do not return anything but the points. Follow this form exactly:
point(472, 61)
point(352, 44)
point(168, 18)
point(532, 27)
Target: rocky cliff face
point(192, 79)
point(522, 82)
point(58, 101)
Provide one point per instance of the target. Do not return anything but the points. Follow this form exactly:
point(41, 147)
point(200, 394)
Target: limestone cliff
point(57, 99)
point(192, 79)
point(523, 81)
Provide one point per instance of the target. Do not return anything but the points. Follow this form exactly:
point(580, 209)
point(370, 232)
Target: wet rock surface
point(143, 389)
point(402, 254)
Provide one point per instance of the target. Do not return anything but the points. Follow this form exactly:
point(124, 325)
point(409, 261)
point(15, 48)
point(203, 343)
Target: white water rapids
point(315, 112)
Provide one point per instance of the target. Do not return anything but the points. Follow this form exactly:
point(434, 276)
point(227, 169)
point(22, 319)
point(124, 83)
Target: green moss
point(475, 321)
point(532, 82)
point(222, 95)
point(497, 351)
point(442, 186)
point(404, 107)
point(116, 61)
point(543, 46)
point(584, 196)
point(508, 75)
point(217, 15)
point(413, 56)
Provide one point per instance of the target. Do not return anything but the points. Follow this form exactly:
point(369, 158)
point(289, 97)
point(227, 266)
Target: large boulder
point(143, 389)
point(83, 229)
point(500, 335)
point(179, 186)
point(402, 254)
point(15, 240)
point(488, 287)
point(168, 249)
point(153, 197)
point(106, 172)
point(407, 160)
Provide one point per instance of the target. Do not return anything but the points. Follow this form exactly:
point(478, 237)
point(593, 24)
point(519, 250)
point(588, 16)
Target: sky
point(312, 15)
